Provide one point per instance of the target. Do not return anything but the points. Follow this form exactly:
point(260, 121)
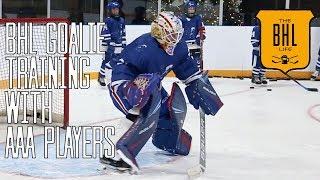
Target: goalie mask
point(168, 30)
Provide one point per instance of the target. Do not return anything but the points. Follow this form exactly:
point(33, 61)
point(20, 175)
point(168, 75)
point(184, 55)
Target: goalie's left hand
point(201, 94)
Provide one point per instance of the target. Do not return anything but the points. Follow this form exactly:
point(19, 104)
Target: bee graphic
point(285, 60)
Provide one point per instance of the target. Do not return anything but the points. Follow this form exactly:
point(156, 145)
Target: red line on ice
point(311, 114)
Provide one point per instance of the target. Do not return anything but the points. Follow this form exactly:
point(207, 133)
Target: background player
point(194, 30)
point(114, 41)
point(258, 72)
point(136, 91)
point(316, 74)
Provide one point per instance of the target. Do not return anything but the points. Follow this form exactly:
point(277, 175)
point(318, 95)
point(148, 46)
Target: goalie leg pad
point(184, 143)
point(169, 135)
point(172, 141)
point(130, 144)
point(121, 126)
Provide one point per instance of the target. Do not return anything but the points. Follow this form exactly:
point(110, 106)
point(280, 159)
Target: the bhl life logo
point(283, 35)
point(285, 39)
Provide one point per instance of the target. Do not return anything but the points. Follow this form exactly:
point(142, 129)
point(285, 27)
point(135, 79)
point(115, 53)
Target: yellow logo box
point(285, 39)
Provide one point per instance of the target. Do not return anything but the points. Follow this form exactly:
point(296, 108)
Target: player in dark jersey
point(258, 72)
point(114, 41)
point(194, 30)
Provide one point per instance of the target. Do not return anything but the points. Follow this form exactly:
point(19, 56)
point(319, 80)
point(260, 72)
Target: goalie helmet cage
point(60, 97)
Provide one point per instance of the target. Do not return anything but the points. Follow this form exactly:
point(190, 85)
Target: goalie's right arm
point(201, 94)
point(199, 89)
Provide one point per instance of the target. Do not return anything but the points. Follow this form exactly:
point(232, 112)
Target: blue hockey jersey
point(255, 38)
point(192, 28)
point(145, 55)
point(114, 33)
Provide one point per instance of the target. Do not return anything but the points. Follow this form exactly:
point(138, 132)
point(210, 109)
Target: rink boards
point(227, 51)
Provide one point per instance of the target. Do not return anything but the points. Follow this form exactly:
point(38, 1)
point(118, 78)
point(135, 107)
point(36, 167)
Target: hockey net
point(60, 97)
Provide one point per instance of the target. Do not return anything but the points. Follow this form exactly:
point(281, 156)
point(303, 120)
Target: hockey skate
point(315, 75)
point(114, 164)
point(102, 81)
point(117, 163)
point(122, 162)
point(263, 80)
point(255, 80)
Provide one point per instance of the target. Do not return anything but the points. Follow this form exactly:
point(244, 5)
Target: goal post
point(37, 32)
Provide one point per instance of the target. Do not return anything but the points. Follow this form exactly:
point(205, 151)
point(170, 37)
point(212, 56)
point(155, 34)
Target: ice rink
point(257, 135)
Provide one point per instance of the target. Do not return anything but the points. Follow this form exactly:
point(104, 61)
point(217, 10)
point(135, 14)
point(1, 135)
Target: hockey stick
point(199, 169)
point(304, 87)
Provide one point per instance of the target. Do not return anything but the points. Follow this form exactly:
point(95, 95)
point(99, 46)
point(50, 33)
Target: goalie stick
point(200, 168)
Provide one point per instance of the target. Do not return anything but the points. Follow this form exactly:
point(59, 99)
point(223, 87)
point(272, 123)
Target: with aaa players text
point(35, 73)
point(75, 142)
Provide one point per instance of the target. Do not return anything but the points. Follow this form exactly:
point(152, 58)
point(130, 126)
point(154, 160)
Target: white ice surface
point(257, 135)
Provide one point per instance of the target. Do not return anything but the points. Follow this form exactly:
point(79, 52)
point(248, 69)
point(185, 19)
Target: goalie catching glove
point(201, 94)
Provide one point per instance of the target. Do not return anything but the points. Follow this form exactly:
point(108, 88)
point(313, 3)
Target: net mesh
point(59, 105)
